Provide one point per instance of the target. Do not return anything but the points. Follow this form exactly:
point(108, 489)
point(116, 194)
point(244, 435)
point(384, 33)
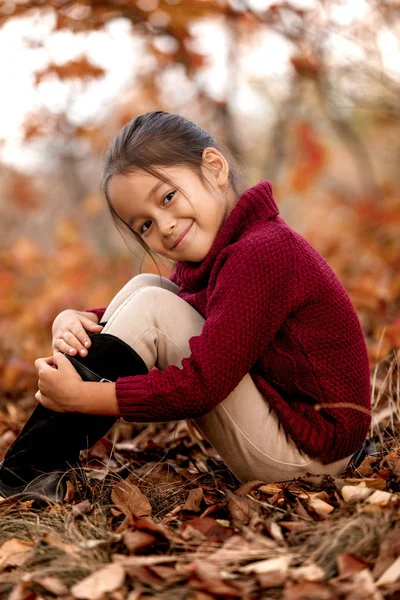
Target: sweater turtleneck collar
point(254, 205)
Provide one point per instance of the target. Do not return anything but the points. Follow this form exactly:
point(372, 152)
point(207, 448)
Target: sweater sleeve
point(251, 298)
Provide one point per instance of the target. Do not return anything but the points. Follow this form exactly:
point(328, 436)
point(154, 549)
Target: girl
point(254, 338)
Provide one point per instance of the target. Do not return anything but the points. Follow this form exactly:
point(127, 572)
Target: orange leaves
point(16, 375)
point(106, 579)
point(204, 528)
point(94, 135)
point(67, 233)
point(291, 537)
point(15, 552)
point(348, 564)
point(129, 499)
point(36, 286)
point(22, 192)
point(39, 124)
point(7, 285)
point(194, 500)
point(310, 157)
point(307, 64)
point(74, 69)
point(93, 204)
point(366, 293)
point(392, 333)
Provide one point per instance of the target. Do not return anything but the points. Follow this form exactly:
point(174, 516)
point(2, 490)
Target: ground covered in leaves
point(154, 512)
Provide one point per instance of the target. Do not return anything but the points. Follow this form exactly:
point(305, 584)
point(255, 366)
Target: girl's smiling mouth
point(182, 237)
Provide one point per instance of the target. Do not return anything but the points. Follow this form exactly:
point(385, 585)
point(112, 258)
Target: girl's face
point(179, 227)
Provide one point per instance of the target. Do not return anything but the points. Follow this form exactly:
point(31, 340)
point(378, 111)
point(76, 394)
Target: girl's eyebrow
point(149, 195)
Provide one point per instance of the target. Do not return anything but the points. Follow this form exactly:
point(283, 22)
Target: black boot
point(51, 441)
point(368, 449)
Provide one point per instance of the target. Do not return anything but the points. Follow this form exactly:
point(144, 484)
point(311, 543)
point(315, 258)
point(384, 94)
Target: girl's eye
point(171, 193)
point(141, 231)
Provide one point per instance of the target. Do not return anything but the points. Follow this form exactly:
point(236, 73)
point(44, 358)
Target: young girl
point(254, 338)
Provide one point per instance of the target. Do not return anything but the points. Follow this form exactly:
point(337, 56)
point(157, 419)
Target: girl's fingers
point(63, 346)
point(42, 362)
point(77, 339)
point(90, 325)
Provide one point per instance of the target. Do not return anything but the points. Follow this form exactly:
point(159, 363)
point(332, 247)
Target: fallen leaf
point(14, 552)
point(151, 474)
point(248, 487)
point(240, 508)
point(169, 574)
point(376, 483)
point(308, 590)
point(21, 592)
point(271, 579)
point(146, 575)
point(364, 587)
point(217, 588)
point(54, 540)
point(311, 572)
point(348, 564)
point(129, 499)
point(322, 508)
point(194, 499)
point(388, 552)
point(93, 587)
point(138, 540)
point(391, 574)
point(53, 585)
point(81, 508)
point(382, 498)
point(275, 531)
point(69, 492)
point(270, 488)
point(280, 564)
point(205, 528)
point(365, 469)
point(352, 494)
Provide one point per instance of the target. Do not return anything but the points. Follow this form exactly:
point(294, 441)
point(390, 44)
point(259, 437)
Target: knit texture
point(273, 308)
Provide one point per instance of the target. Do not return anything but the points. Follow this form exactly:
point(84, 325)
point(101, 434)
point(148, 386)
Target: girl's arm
point(99, 398)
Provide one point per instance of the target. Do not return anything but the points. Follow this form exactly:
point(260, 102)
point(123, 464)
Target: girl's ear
point(216, 164)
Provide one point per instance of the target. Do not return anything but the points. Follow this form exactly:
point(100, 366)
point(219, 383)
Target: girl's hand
point(60, 386)
point(69, 331)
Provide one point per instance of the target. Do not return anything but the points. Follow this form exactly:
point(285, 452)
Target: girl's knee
point(153, 280)
point(152, 296)
point(145, 301)
point(145, 279)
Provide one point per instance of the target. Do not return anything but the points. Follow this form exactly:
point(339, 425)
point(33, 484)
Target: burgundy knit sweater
point(274, 308)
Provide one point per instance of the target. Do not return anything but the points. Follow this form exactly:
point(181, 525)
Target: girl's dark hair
point(159, 139)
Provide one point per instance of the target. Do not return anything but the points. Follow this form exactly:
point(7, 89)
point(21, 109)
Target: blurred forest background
point(303, 93)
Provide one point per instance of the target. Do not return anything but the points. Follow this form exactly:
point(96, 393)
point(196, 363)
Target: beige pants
point(245, 431)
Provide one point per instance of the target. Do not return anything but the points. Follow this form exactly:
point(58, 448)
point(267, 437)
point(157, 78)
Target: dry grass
point(71, 546)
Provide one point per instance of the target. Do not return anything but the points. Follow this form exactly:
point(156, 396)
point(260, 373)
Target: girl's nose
point(166, 229)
